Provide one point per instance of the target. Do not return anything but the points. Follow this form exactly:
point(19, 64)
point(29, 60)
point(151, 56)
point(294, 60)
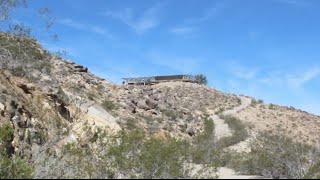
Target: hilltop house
point(159, 79)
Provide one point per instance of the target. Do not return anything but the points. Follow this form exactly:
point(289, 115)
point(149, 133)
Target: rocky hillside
point(65, 122)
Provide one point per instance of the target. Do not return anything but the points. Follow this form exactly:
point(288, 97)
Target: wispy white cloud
point(292, 81)
point(242, 72)
point(207, 15)
point(181, 30)
point(189, 25)
point(148, 19)
point(71, 23)
point(176, 63)
point(298, 3)
point(301, 79)
point(282, 86)
point(85, 27)
point(276, 77)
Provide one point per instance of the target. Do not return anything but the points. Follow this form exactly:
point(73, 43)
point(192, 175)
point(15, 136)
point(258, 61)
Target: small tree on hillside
point(202, 79)
point(7, 5)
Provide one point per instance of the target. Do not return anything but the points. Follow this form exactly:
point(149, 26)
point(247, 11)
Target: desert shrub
point(19, 71)
point(19, 30)
point(313, 172)
point(239, 132)
point(6, 134)
point(125, 150)
point(11, 166)
point(6, 137)
point(171, 114)
point(62, 95)
point(83, 160)
point(6, 7)
point(80, 159)
point(274, 156)
point(23, 54)
point(109, 105)
point(43, 66)
point(91, 95)
point(133, 155)
point(162, 158)
point(272, 106)
point(14, 168)
point(255, 102)
point(204, 150)
point(201, 79)
point(220, 110)
point(23, 49)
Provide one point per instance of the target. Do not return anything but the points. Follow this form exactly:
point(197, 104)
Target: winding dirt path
point(222, 130)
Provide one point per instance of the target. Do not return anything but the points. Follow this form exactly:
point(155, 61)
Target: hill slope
point(66, 120)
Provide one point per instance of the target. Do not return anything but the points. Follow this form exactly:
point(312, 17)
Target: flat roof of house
point(159, 77)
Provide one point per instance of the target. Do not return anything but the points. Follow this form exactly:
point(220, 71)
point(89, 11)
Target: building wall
point(158, 79)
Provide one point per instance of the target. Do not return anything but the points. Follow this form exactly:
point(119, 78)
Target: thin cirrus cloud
point(85, 27)
point(175, 63)
point(181, 30)
point(292, 81)
point(297, 3)
point(273, 78)
point(242, 72)
point(140, 23)
point(299, 80)
point(189, 24)
point(207, 15)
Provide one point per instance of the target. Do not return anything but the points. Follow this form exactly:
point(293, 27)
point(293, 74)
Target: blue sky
point(269, 49)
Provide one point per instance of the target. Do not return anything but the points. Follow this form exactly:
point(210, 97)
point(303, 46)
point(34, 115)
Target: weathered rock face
point(2, 108)
point(170, 106)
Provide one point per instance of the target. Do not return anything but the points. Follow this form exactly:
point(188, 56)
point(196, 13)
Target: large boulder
point(191, 131)
point(152, 103)
point(143, 105)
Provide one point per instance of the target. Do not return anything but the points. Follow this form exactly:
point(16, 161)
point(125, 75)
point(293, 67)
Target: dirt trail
point(245, 102)
point(222, 130)
point(227, 173)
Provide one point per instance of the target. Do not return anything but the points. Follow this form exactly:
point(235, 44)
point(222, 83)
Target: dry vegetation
point(299, 125)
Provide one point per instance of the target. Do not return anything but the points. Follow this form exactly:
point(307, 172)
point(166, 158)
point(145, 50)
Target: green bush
point(125, 153)
point(201, 79)
point(109, 105)
point(255, 102)
point(314, 172)
point(239, 132)
point(22, 48)
point(204, 149)
point(14, 168)
point(137, 156)
point(25, 54)
point(84, 160)
point(171, 114)
point(11, 166)
point(43, 66)
point(19, 71)
point(272, 106)
point(6, 133)
point(274, 156)
point(162, 158)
